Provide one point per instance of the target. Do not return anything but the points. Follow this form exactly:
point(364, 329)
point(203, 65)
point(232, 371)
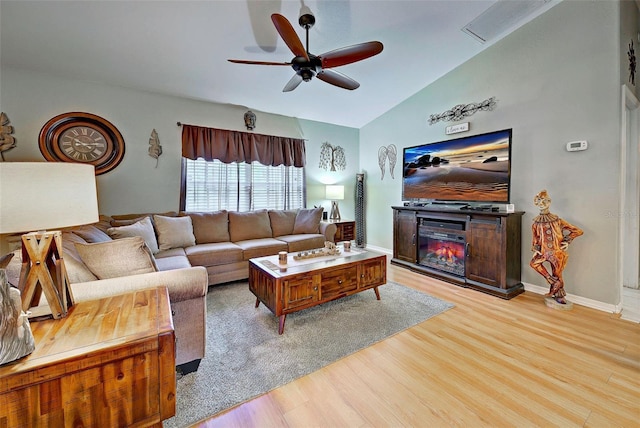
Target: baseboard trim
point(578, 300)
point(583, 301)
point(379, 249)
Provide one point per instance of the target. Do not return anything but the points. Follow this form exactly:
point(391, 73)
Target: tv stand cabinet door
point(485, 252)
point(405, 230)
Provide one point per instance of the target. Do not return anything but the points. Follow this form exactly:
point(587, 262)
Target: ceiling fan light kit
point(307, 65)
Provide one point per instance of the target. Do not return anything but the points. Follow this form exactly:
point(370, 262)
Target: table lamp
point(334, 193)
point(35, 196)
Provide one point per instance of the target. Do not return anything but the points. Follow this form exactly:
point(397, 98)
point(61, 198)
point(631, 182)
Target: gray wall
point(136, 185)
point(556, 80)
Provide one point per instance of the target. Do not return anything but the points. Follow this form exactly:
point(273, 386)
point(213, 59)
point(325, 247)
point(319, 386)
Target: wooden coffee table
point(299, 285)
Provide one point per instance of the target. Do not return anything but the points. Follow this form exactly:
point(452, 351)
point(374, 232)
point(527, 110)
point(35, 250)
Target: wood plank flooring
point(487, 362)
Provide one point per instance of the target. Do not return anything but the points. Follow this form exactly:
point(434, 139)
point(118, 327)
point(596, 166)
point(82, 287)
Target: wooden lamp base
point(335, 212)
point(43, 270)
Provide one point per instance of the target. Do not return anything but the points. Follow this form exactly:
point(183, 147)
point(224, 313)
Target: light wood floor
point(486, 362)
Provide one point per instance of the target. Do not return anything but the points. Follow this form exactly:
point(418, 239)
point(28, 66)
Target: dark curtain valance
point(235, 146)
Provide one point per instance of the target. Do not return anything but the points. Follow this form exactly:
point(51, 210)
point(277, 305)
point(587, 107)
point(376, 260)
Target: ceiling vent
point(501, 16)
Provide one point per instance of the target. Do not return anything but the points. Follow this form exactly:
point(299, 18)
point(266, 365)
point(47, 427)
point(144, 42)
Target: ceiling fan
point(307, 65)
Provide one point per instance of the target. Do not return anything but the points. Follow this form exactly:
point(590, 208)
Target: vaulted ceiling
point(181, 48)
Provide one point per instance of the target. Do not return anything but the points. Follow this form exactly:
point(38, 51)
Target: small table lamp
point(335, 193)
point(38, 196)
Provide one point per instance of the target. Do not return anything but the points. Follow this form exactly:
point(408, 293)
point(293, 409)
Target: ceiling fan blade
point(338, 79)
point(242, 61)
point(289, 35)
point(350, 54)
point(293, 83)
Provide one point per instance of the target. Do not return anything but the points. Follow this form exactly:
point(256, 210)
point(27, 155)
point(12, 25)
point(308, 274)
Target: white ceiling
point(181, 48)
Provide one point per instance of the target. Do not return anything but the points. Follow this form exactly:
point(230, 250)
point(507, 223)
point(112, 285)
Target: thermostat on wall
point(576, 146)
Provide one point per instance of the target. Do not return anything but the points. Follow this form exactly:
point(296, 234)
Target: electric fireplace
point(442, 246)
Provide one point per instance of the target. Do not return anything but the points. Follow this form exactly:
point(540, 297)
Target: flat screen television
point(470, 169)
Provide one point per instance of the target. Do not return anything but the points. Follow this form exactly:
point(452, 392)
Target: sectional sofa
point(186, 252)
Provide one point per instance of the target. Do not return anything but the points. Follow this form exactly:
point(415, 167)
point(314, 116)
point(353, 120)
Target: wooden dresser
point(110, 362)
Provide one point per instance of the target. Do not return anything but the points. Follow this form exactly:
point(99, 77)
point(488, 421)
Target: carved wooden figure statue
point(551, 238)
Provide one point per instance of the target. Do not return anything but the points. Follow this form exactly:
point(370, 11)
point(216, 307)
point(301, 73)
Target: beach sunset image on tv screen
point(470, 169)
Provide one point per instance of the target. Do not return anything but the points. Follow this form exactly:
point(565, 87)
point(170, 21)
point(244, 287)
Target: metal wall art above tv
point(474, 168)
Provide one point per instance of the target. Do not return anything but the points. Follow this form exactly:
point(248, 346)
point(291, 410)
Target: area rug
point(245, 357)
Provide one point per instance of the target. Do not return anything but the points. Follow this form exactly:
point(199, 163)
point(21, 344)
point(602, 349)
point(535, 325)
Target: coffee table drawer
point(338, 282)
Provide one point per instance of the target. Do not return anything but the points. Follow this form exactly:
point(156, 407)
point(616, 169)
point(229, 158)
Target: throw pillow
point(282, 221)
point(174, 232)
point(76, 269)
point(90, 233)
point(210, 227)
point(142, 228)
point(117, 258)
point(249, 225)
point(125, 222)
point(308, 221)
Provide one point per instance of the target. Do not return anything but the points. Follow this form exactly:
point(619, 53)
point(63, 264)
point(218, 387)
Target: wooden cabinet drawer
point(338, 282)
point(346, 231)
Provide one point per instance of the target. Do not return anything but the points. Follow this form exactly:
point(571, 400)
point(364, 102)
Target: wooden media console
point(475, 249)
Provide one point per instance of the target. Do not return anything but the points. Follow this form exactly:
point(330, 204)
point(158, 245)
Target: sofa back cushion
point(308, 220)
point(282, 221)
point(249, 225)
point(117, 258)
point(76, 269)
point(174, 232)
point(210, 227)
point(143, 228)
point(91, 233)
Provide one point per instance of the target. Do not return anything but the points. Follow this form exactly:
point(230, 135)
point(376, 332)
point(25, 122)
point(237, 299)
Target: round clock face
point(83, 138)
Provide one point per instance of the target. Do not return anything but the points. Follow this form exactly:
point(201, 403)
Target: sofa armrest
point(328, 230)
point(183, 284)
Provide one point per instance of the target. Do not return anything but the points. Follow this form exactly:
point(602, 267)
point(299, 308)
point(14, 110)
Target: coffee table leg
point(377, 293)
point(281, 323)
point(257, 302)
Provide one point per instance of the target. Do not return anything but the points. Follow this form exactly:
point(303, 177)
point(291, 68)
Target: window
point(214, 185)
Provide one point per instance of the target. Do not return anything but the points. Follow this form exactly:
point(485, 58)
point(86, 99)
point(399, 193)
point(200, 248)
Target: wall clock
point(82, 138)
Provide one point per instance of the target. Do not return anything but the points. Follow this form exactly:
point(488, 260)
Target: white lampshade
point(334, 192)
point(42, 195)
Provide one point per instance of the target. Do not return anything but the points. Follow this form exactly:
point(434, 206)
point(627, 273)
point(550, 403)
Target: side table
point(109, 362)
point(346, 230)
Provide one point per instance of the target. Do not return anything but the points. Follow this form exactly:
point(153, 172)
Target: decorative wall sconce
point(155, 149)
point(7, 141)
point(390, 152)
point(250, 120)
point(332, 157)
point(463, 110)
point(632, 63)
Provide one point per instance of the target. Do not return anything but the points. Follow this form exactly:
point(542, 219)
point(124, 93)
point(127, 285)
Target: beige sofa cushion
point(249, 225)
point(261, 247)
point(171, 263)
point(143, 228)
point(214, 254)
point(303, 241)
point(126, 222)
point(91, 233)
point(76, 269)
point(282, 221)
point(308, 220)
point(117, 258)
point(210, 227)
point(174, 232)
